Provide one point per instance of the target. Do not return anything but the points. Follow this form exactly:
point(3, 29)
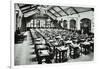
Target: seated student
point(69, 40)
point(75, 43)
point(75, 49)
point(86, 42)
point(61, 42)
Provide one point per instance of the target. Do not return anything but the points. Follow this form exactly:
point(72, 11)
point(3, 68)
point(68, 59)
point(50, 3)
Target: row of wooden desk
point(45, 49)
point(72, 51)
point(63, 52)
point(42, 51)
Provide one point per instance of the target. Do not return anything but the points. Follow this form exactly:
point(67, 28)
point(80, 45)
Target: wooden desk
point(85, 48)
point(43, 54)
point(75, 51)
point(61, 51)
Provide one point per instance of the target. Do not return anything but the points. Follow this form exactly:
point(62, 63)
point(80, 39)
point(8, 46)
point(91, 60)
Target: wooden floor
point(23, 52)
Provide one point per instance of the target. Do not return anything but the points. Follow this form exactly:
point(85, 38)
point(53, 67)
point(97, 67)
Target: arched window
point(72, 24)
point(85, 25)
point(65, 24)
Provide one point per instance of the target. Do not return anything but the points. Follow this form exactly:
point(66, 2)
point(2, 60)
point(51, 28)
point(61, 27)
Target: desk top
point(62, 48)
point(41, 46)
point(43, 53)
point(85, 43)
point(67, 42)
point(51, 40)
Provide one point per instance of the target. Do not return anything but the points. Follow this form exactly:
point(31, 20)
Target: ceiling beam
point(29, 10)
point(26, 9)
point(49, 16)
point(66, 9)
point(81, 12)
point(25, 5)
point(57, 12)
point(52, 13)
point(75, 10)
point(51, 8)
point(63, 10)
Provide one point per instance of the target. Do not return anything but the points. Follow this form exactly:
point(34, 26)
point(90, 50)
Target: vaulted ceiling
point(53, 11)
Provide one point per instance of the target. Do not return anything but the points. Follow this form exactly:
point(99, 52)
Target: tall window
point(65, 24)
point(86, 25)
point(72, 24)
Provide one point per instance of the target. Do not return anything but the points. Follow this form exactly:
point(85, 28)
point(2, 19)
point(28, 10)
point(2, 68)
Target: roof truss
point(57, 12)
point(52, 13)
point(63, 10)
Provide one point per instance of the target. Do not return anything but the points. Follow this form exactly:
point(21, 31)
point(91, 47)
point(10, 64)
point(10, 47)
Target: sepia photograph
point(51, 34)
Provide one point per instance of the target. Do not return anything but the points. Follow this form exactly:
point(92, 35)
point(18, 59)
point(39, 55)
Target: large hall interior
point(47, 34)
